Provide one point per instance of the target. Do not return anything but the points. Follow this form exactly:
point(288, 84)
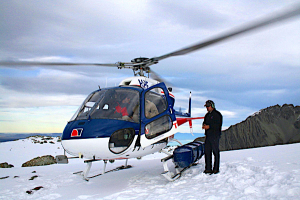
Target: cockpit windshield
point(117, 103)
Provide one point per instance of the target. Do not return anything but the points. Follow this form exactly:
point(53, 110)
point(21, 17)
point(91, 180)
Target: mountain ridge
point(7, 137)
point(273, 125)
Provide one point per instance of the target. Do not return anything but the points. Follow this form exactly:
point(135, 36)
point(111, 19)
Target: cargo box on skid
point(184, 156)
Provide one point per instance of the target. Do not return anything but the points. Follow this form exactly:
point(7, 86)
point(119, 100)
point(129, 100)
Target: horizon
point(187, 128)
point(181, 132)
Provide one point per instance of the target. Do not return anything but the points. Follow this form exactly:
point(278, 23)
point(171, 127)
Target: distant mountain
point(6, 137)
point(187, 136)
point(270, 126)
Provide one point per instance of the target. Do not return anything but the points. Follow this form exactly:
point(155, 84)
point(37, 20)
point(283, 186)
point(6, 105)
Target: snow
point(260, 173)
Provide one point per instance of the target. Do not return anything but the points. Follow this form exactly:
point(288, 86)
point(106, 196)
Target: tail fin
point(186, 117)
point(190, 105)
point(188, 114)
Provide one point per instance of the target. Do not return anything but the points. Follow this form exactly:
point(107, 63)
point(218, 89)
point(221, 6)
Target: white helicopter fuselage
point(98, 148)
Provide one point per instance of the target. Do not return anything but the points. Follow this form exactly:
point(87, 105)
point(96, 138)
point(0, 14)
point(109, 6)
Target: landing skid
point(86, 171)
point(170, 176)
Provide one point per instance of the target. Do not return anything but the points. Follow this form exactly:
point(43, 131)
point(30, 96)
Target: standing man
point(212, 125)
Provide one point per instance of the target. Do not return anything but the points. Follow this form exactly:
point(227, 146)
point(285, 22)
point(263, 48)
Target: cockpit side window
point(155, 103)
point(158, 127)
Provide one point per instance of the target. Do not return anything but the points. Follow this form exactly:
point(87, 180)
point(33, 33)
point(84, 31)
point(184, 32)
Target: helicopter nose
point(106, 137)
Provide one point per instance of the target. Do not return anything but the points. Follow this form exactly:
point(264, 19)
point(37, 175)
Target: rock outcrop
point(40, 161)
point(270, 126)
point(6, 165)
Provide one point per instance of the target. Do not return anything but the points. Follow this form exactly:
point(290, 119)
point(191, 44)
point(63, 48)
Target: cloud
point(228, 114)
point(35, 119)
point(17, 99)
point(242, 75)
point(194, 16)
point(51, 81)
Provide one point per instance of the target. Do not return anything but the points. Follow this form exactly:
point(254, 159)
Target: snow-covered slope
point(261, 173)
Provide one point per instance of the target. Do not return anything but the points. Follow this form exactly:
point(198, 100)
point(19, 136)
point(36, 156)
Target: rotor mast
point(141, 65)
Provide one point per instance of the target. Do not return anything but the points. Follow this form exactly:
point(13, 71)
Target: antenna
point(190, 104)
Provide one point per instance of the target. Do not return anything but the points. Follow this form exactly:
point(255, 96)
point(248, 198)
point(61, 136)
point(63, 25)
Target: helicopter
point(131, 120)
point(137, 117)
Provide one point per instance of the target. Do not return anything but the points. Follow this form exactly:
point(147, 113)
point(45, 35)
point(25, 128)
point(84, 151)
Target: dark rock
point(200, 139)
point(270, 126)
point(29, 191)
point(297, 123)
point(36, 189)
point(33, 177)
point(5, 165)
point(40, 161)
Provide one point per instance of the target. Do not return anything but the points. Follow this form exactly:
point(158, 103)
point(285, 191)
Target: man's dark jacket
point(214, 119)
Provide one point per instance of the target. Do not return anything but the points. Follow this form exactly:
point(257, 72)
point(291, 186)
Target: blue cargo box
point(188, 154)
point(183, 156)
point(200, 147)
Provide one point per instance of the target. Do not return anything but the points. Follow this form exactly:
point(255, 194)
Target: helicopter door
point(157, 115)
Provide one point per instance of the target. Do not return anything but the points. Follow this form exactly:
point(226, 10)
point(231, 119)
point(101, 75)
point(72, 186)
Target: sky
point(241, 75)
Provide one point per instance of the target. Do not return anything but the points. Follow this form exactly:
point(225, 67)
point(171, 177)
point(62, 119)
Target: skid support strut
point(86, 171)
point(104, 167)
point(167, 174)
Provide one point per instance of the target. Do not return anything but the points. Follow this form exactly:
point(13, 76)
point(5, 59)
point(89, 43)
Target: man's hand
point(205, 127)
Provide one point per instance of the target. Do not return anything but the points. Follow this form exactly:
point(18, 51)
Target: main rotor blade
point(283, 15)
point(157, 77)
point(30, 63)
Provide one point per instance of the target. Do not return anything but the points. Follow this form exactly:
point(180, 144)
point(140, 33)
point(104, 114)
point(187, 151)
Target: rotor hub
point(139, 60)
point(142, 65)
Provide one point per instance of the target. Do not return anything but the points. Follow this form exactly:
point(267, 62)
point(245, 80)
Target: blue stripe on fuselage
point(98, 128)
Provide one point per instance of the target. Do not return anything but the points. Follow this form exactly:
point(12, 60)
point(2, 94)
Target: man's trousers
point(212, 146)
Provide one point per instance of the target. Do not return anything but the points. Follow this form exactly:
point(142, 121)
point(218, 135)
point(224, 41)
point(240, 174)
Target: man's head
point(210, 105)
